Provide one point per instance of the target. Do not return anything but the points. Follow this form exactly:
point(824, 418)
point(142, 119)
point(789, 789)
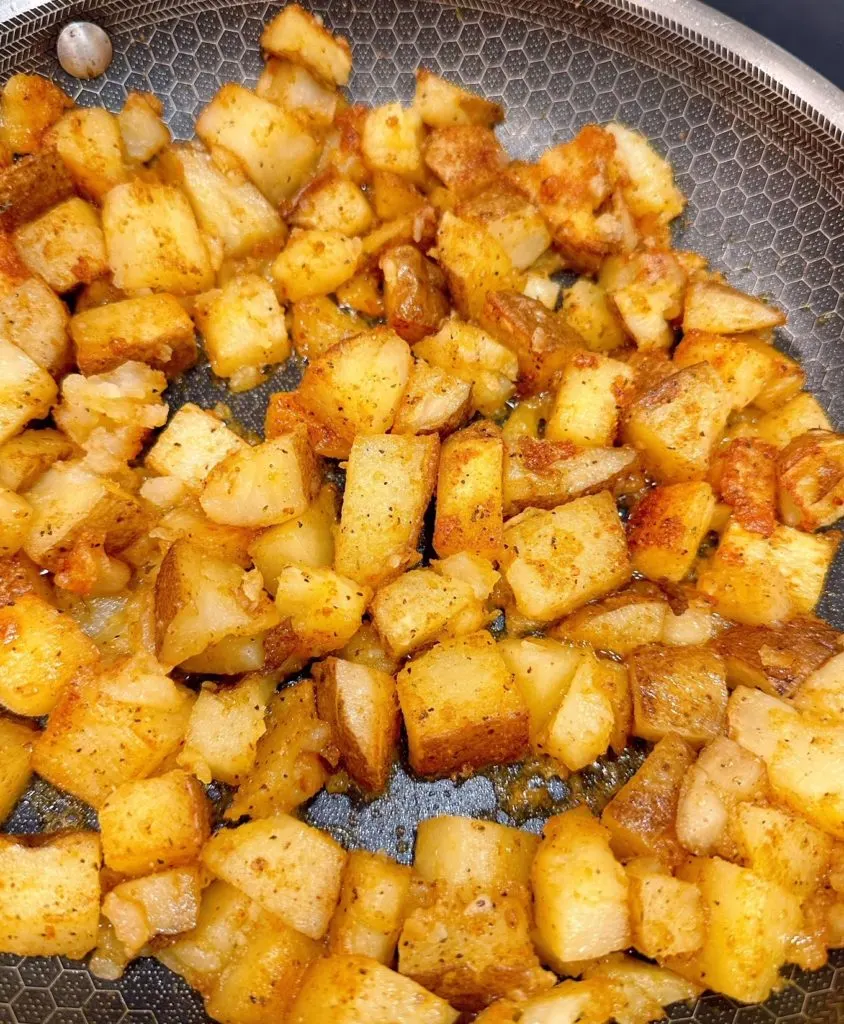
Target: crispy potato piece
point(638, 991)
point(392, 140)
point(192, 444)
point(29, 106)
point(34, 319)
point(648, 183)
point(389, 481)
point(786, 422)
point(65, 245)
point(467, 158)
point(441, 103)
point(49, 901)
point(367, 648)
point(16, 742)
point(810, 480)
point(542, 341)
point(164, 903)
point(785, 376)
point(587, 310)
point(25, 457)
point(375, 898)
point(618, 623)
point(647, 291)
point(289, 868)
point(317, 325)
point(588, 400)
point(434, 401)
point(90, 143)
point(19, 575)
point(559, 559)
point(822, 694)
point(151, 824)
point(515, 223)
point(142, 131)
point(188, 522)
point(667, 528)
point(666, 914)
point(720, 309)
point(15, 521)
point(744, 474)
point(414, 292)
point(475, 264)
point(744, 369)
point(285, 413)
point(31, 186)
point(306, 540)
point(393, 196)
point(457, 851)
point(333, 203)
point(361, 706)
point(300, 36)
point(315, 263)
point(13, 270)
point(312, 102)
point(480, 719)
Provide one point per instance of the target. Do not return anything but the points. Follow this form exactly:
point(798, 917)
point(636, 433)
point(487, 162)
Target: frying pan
point(757, 143)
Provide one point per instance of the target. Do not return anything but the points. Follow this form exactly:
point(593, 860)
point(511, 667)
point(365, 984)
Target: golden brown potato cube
point(514, 222)
point(543, 670)
point(35, 319)
point(414, 292)
point(759, 580)
point(367, 648)
point(557, 560)
point(676, 425)
point(111, 725)
point(19, 575)
point(360, 704)
point(475, 264)
point(744, 369)
point(29, 106)
point(362, 291)
point(478, 719)
point(392, 140)
point(142, 131)
point(389, 481)
point(289, 868)
point(541, 340)
point(164, 903)
point(471, 946)
point(588, 400)
point(646, 289)
point(306, 540)
point(749, 923)
point(200, 599)
point(225, 725)
point(299, 36)
point(374, 902)
point(745, 476)
point(580, 891)
point(228, 207)
point(273, 148)
point(30, 187)
point(15, 521)
point(317, 325)
point(65, 245)
point(90, 143)
point(393, 196)
point(470, 510)
point(587, 310)
point(666, 914)
point(544, 474)
point(822, 694)
point(810, 480)
point(455, 851)
point(467, 158)
point(618, 623)
point(785, 377)
point(680, 690)
point(288, 767)
point(667, 528)
point(50, 894)
point(720, 309)
point(358, 990)
point(153, 241)
point(25, 457)
point(434, 401)
point(315, 263)
point(441, 103)
point(152, 329)
point(641, 816)
point(152, 824)
point(786, 422)
point(312, 102)
point(191, 445)
point(648, 182)
point(333, 203)
point(16, 742)
point(41, 651)
point(776, 659)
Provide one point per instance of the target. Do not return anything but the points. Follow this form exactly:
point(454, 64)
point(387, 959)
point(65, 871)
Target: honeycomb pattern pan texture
point(757, 146)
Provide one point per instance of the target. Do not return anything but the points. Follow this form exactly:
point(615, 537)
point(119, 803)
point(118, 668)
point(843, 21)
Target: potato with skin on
point(90, 143)
point(392, 139)
point(65, 245)
point(331, 202)
point(618, 623)
point(315, 263)
point(646, 289)
point(666, 914)
point(474, 263)
point(719, 309)
point(414, 292)
point(434, 401)
point(466, 158)
point(163, 903)
point(588, 310)
point(441, 103)
point(35, 320)
point(360, 705)
point(299, 36)
point(667, 527)
point(288, 867)
point(288, 767)
point(389, 482)
point(588, 400)
point(478, 719)
point(50, 894)
point(375, 899)
point(744, 369)
point(191, 445)
point(745, 476)
point(29, 106)
point(152, 824)
point(142, 131)
point(457, 851)
point(810, 480)
point(16, 742)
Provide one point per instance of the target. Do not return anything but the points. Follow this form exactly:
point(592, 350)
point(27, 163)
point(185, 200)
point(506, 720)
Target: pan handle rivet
point(84, 49)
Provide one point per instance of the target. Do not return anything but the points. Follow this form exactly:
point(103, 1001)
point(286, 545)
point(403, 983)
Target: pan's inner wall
point(764, 187)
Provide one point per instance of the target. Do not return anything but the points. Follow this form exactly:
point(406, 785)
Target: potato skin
point(414, 292)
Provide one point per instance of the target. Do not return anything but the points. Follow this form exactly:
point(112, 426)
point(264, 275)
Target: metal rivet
point(84, 49)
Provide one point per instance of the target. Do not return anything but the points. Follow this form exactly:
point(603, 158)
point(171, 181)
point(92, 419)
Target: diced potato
point(315, 263)
point(392, 141)
point(367, 648)
point(153, 241)
point(749, 922)
point(274, 149)
point(15, 521)
point(16, 742)
point(455, 851)
point(618, 623)
point(759, 580)
point(358, 990)
point(786, 422)
point(641, 816)
point(647, 290)
point(332, 203)
point(110, 726)
point(544, 474)
point(40, 652)
point(557, 560)
point(30, 187)
point(50, 895)
point(65, 245)
point(822, 694)
point(289, 868)
point(287, 766)
point(360, 704)
point(142, 131)
point(666, 914)
point(698, 624)
point(152, 329)
point(467, 158)
point(224, 728)
point(34, 318)
point(441, 103)
point(193, 443)
point(472, 355)
point(414, 292)
point(200, 599)
point(393, 196)
point(300, 36)
point(90, 143)
point(389, 481)
point(152, 824)
point(638, 991)
point(543, 289)
point(542, 341)
point(188, 522)
point(543, 670)
point(227, 206)
point(478, 719)
point(810, 478)
point(676, 425)
point(720, 309)
point(374, 901)
point(362, 292)
point(776, 659)
point(744, 473)
point(19, 575)
point(512, 221)
point(164, 903)
point(317, 325)
point(29, 106)
point(588, 400)
point(785, 376)
point(580, 891)
point(434, 401)
point(743, 369)
point(571, 1002)
point(648, 185)
point(667, 528)
point(292, 86)
point(475, 264)
point(587, 309)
